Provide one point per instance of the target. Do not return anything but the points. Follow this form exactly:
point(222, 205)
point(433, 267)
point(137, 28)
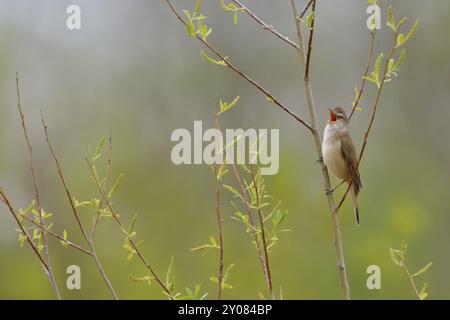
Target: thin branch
point(46, 255)
point(219, 225)
point(47, 230)
point(266, 26)
point(242, 74)
point(123, 229)
point(306, 59)
point(372, 118)
point(411, 280)
point(104, 185)
point(310, 39)
point(302, 14)
point(58, 236)
point(24, 230)
point(366, 72)
point(75, 213)
point(263, 235)
point(246, 201)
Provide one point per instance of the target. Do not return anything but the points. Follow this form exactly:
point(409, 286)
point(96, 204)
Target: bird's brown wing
point(351, 160)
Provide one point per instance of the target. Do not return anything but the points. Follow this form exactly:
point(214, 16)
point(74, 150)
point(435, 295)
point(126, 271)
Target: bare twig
point(301, 15)
point(75, 213)
point(216, 169)
point(123, 229)
point(266, 26)
point(263, 235)
point(219, 225)
point(305, 57)
point(242, 74)
point(46, 254)
point(366, 72)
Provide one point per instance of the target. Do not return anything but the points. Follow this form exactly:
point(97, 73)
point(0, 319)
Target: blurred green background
point(133, 68)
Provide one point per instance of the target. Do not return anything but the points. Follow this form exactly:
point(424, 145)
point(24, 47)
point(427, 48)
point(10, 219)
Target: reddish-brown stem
point(6, 200)
point(219, 226)
point(46, 254)
point(263, 235)
point(247, 204)
point(75, 213)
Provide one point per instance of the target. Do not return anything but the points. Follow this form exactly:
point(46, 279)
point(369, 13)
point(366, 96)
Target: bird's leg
point(332, 189)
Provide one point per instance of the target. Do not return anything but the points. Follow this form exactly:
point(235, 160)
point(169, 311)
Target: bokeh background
point(133, 68)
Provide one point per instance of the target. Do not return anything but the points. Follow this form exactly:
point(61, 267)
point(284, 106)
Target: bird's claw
point(329, 191)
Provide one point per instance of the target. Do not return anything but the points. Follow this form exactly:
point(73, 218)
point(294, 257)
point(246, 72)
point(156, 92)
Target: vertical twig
point(244, 196)
point(43, 236)
point(219, 225)
point(305, 57)
point(104, 186)
point(75, 213)
point(263, 235)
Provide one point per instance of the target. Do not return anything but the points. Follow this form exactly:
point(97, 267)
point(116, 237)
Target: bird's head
point(338, 117)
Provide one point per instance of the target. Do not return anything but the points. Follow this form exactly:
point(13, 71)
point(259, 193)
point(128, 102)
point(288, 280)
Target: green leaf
point(423, 270)
point(224, 106)
point(423, 292)
point(99, 148)
point(64, 242)
point(391, 19)
point(395, 257)
point(403, 20)
point(147, 279)
point(413, 29)
point(197, 7)
point(310, 19)
point(115, 186)
point(170, 278)
point(206, 58)
point(401, 59)
point(404, 247)
point(378, 64)
point(400, 40)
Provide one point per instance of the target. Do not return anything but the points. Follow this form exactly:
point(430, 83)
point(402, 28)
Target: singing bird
point(339, 154)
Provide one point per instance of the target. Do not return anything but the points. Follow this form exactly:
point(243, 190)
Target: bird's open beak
point(332, 116)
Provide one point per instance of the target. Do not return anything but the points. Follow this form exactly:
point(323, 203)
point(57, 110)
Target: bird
point(339, 155)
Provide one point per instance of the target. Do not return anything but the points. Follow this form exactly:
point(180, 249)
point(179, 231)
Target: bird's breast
point(332, 157)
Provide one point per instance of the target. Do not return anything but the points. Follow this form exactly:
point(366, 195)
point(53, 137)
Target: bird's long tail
point(354, 197)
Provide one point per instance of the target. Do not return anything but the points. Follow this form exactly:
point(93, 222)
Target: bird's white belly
point(333, 159)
